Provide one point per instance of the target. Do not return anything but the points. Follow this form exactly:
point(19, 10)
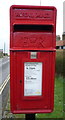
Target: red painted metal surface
point(32, 29)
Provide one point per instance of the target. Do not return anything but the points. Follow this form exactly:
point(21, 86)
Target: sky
point(5, 17)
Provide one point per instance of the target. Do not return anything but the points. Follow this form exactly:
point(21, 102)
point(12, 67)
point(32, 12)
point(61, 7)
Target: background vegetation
point(1, 55)
point(59, 62)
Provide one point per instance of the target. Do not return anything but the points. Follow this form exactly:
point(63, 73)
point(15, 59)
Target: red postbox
point(32, 58)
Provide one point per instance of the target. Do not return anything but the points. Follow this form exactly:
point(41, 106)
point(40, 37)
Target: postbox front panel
point(32, 58)
point(32, 87)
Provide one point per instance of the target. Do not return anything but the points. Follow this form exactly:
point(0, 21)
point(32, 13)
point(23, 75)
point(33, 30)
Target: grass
point(58, 100)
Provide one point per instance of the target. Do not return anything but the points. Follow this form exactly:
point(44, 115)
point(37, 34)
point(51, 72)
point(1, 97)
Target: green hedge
point(60, 62)
point(1, 55)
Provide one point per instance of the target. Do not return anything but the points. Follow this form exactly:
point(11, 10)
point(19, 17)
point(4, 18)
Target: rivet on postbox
point(33, 55)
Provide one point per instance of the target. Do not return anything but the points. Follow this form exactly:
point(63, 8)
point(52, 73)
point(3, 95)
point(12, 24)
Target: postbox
point(32, 58)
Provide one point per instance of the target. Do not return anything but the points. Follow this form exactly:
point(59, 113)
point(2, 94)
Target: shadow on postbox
point(32, 58)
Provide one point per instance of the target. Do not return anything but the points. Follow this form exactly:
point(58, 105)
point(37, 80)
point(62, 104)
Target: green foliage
point(60, 61)
point(1, 55)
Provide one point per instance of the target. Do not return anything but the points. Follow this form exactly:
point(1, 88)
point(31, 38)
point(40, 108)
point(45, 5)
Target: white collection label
point(32, 78)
